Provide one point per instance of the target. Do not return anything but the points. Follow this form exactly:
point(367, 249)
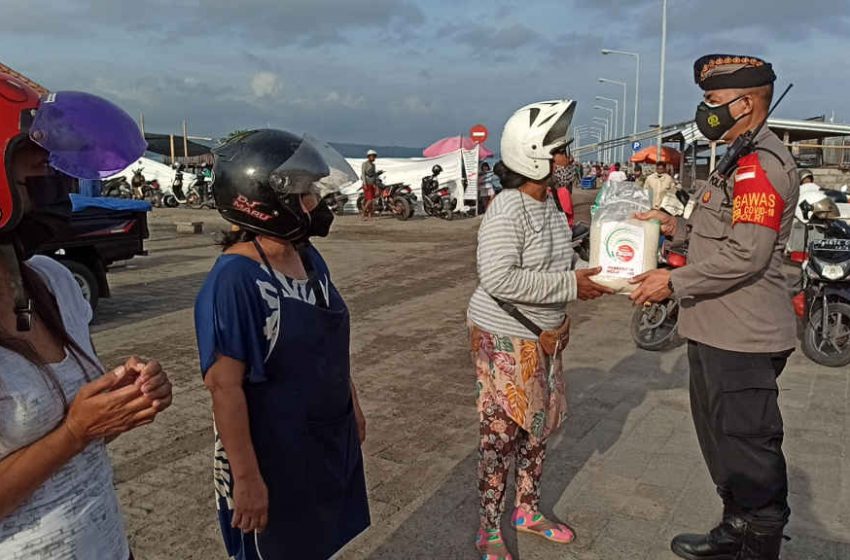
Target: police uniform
point(736, 313)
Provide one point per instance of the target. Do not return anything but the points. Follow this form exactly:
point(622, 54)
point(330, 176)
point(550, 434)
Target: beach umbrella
point(650, 155)
point(452, 144)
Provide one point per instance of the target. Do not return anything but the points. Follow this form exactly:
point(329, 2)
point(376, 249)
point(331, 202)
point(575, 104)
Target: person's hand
point(104, 408)
point(654, 287)
point(668, 222)
point(152, 381)
point(250, 504)
point(587, 288)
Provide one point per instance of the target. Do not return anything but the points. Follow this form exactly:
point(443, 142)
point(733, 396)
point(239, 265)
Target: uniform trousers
point(735, 409)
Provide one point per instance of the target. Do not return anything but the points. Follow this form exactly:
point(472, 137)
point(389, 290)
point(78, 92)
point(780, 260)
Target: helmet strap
point(10, 252)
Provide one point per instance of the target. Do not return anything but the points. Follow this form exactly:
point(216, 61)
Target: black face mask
point(321, 218)
point(715, 121)
point(49, 216)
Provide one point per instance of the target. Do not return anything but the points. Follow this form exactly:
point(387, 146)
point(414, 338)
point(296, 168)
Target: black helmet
point(260, 176)
point(436, 170)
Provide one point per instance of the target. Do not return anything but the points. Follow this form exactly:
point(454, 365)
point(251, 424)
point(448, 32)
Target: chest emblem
point(706, 197)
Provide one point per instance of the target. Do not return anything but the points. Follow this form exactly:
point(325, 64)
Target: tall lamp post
point(616, 116)
point(637, 80)
point(593, 132)
point(612, 129)
point(625, 96)
point(605, 122)
point(661, 76)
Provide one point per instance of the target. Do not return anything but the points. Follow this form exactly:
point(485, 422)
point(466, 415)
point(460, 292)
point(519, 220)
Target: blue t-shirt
point(237, 313)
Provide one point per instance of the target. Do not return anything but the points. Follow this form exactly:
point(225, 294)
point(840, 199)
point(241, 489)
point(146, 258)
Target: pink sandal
point(537, 524)
point(491, 546)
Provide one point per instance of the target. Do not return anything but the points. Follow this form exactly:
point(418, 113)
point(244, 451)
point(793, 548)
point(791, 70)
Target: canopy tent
point(164, 174)
point(454, 143)
point(650, 155)
point(161, 144)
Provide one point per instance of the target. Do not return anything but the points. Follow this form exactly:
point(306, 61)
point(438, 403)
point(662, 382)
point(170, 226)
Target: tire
point(361, 201)
point(193, 199)
point(836, 351)
point(655, 327)
point(170, 201)
point(86, 279)
point(448, 212)
point(402, 208)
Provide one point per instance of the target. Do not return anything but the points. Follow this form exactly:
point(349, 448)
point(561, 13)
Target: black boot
point(761, 546)
point(724, 542)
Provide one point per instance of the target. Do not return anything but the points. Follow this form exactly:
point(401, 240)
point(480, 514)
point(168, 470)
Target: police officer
point(735, 311)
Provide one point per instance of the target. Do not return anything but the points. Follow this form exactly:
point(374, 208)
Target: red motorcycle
point(654, 325)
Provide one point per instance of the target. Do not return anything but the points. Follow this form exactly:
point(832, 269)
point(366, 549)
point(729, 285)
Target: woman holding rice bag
point(519, 326)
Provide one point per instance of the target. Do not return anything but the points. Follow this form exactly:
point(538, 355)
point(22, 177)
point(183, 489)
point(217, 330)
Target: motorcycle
point(654, 326)
point(396, 199)
point(177, 196)
point(336, 202)
point(436, 200)
point(204, 190)
point(117, 187)
point(581, 241)
point(824, 303)
point(152, 192)
point(137, 183)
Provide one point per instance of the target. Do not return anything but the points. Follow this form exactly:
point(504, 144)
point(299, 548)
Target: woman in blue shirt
point(273, 338)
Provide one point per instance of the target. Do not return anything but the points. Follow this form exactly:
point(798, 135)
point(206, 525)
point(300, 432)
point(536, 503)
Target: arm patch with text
point(754, 200)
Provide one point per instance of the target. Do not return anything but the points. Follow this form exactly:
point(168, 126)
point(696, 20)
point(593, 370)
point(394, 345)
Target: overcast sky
point(407, 72)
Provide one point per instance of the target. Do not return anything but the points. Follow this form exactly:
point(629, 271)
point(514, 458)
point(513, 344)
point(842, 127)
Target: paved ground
point(625, 470)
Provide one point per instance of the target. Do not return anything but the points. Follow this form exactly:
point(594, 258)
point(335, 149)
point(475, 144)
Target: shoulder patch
point(755, 200)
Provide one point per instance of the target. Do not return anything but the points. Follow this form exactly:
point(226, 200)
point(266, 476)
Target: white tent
point(411, 171)
point(163, 173)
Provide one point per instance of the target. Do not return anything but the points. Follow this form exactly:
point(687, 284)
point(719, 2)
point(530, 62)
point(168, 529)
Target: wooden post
point(185, 140)
point(171, 141)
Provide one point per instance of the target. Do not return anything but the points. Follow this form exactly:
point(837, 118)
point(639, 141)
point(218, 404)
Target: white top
point(524, 257)
point(75, 513)
point(618, 177)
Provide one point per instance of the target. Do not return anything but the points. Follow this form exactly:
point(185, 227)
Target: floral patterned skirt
point(516, 375)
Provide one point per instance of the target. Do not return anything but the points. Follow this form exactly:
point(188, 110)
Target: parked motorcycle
point(655, 326)
point(177, 196)
point(336, 202)
point(437, 200)
point(117, 187)
point(396, 199)
point(152, 192)
point(137, 183)
point(203, 187)
point(581, 241)
point(824, 305)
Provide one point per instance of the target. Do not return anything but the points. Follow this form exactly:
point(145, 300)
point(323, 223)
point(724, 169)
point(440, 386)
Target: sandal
point(537, 524)
point(490, 545)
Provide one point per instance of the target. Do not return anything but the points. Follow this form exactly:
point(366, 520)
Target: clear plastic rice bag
point(620, 243)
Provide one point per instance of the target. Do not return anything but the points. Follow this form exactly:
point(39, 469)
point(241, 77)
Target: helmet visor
point(87, 137)
point(301, 172)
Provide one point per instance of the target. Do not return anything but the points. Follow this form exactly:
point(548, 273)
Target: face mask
point(49, 215)
point(714, 121)
point(321, 218)
point(560, 178)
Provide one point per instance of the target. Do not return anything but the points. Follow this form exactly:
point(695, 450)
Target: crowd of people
point(288, 468)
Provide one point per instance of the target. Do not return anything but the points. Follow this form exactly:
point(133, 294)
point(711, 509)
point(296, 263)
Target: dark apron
point(305, 435)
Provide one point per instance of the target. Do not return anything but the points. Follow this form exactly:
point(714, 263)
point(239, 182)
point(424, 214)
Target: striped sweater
point(525, 257)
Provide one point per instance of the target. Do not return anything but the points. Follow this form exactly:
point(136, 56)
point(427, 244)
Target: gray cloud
point(490, 37)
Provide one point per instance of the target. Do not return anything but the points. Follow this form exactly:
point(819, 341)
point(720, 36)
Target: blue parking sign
point(635, 146)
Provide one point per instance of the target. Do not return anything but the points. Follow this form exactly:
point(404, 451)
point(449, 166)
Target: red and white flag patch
point(754, 200)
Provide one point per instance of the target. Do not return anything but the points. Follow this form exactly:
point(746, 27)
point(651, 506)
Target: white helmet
point(532, 133)
point(371, 153)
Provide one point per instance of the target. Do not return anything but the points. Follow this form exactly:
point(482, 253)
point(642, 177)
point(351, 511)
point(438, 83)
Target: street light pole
point(661, 76)
point(625, 96)
point(596, 134)
point(616, 112)
point(612, 130)
point(607, 124)
point(637, 82)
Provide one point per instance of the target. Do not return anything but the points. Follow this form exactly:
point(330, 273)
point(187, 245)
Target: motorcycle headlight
point(833, 271)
